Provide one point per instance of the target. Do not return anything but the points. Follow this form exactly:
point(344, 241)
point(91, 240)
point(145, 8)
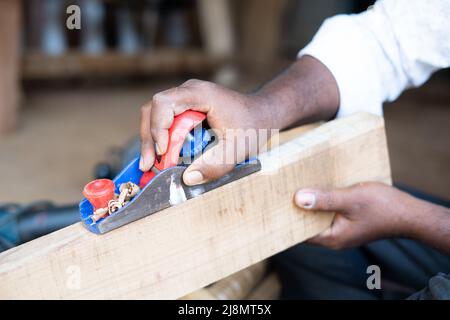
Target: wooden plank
point(231, 287)
point(184, 248)
point(10, 20)
point(287, 135)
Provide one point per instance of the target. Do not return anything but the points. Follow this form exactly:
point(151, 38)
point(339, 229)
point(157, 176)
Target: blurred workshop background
point(70, 99)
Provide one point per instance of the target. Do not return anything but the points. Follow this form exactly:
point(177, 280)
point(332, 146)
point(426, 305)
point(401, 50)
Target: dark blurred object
point(118, 38)
point(149, 21)
point(302, 19)
point(116, 159)
point(117, 25)
point(128, 39)
point(362, 5)
point(34, 15)
point(177, 31)
point(53, 38)
point(93, 28)
point(103, 170)
point(424, 196)
point(19, 224)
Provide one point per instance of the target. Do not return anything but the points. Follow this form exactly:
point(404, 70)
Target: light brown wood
point(75, 64)
point(216, 26)
point(187, 247)
point(239, 284)
point(10, 26)
point(285, 136)
point(234, 287)
point(201, 294)
point(268, 289)
point(261, 32)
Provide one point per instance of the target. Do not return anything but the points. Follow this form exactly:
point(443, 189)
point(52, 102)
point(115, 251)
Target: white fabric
point(377, 54)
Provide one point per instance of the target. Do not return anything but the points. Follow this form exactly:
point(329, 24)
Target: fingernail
point(193, 177)
point(143, 166)
point(158, 149)
point(305, 200)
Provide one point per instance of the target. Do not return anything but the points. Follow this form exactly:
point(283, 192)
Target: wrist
point(424, 219)
point(264, 109)
point(305, 92)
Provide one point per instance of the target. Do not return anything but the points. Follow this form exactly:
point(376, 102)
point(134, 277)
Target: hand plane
point(163, 186)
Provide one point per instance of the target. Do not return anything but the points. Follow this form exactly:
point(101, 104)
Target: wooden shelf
point(75, 64)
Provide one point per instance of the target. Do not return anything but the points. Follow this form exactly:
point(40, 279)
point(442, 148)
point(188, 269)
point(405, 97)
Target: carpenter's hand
point(364, 212)
point(225, 109)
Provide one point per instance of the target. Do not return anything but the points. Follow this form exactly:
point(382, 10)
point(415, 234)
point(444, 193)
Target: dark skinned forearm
point(305, 92)
point(431, 225)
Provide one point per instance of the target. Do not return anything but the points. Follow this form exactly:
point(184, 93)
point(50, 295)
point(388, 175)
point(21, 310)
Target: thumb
point(323, 200)
point(213, 164)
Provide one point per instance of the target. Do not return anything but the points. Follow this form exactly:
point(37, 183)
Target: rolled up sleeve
point(374, 56)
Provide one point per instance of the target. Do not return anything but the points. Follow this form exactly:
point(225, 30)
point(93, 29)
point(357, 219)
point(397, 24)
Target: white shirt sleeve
point(374, 56)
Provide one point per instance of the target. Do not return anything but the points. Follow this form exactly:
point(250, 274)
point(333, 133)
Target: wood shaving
point(113, 206)
point(127, 192)
point(99, 213)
